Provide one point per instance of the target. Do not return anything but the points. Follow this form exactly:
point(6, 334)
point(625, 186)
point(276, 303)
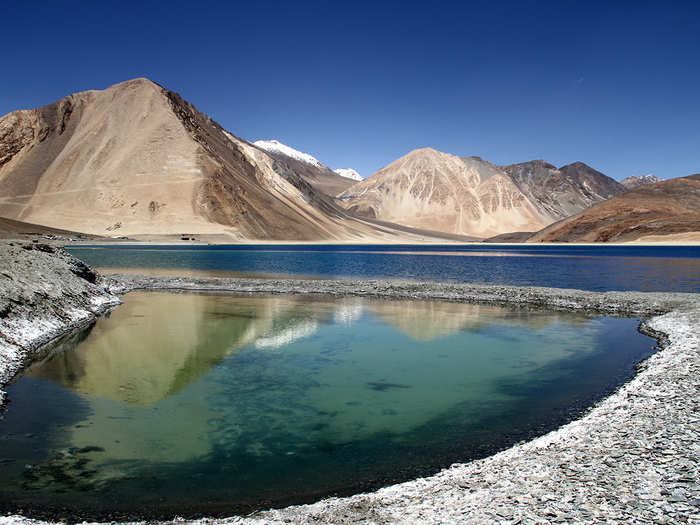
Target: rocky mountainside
point(289, 160)
point(668, 209)
point(442, 192)
point(634, 181)
point(560, 193)
point(138, 159)
point(471, 196)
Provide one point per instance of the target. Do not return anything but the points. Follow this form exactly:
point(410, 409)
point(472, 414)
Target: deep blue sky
point(358, 84)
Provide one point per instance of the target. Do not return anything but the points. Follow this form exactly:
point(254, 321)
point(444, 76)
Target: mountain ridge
point(431, 189)
point(637, 180)
point(650, 211)
point(497, 199)
point(137, 158)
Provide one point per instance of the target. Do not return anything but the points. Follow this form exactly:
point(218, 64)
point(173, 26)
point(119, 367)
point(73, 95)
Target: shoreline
point(627, 459)
point(445, 242)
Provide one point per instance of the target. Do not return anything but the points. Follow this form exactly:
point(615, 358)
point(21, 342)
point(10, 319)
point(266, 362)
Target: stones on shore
point(634, 458)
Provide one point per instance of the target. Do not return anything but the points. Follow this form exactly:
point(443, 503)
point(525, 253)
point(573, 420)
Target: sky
point(359, 84)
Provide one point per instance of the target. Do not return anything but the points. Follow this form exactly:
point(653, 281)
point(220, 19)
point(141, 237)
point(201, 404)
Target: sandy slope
point(138, 159)
point(430, 189)
point(647, 213)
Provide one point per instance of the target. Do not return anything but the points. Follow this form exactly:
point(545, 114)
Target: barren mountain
point(670, 207)
point(289, 160)
point(634, 181)
point(442, 192)
point(138, 159)
point(560, 193)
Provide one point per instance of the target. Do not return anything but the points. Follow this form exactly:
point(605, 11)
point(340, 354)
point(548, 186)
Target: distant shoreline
point(130, 242)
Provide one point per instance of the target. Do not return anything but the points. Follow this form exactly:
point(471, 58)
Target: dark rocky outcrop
point(44, 293)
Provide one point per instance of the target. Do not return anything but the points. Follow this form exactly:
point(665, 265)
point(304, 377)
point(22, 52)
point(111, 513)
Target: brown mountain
point(560, 193)
point(670, 208)
point(442, 192)
point(10, 229)
point(470, 196)
point(137, 159)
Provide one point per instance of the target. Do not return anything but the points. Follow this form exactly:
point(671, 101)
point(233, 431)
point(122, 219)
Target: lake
point(187, 404)
point(594, 268)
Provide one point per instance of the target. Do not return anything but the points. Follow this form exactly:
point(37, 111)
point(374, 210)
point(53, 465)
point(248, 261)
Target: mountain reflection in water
point(190, 398)
point(157, 344)
point(141, 363)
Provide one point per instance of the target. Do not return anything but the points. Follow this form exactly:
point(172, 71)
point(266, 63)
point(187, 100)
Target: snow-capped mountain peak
point(348, 173)
point(639, 180)
point(275, 146)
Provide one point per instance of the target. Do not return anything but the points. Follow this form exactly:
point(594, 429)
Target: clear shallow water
point(187, 403)
point(596, 268)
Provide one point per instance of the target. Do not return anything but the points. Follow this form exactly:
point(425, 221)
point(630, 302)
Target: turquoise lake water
point(181, 404)
point(596, 268)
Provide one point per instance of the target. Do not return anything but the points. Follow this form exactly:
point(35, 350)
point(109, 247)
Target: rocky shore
point(45, 293)
point(633, 458)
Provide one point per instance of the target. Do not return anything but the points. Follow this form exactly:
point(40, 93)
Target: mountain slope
point(560, 193)
point(666, 208)
point(289, 160)
point(10, 229)
point(138, 159)
point(437, 191)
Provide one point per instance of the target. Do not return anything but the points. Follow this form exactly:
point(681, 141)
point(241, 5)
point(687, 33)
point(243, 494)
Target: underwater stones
point(62, 471)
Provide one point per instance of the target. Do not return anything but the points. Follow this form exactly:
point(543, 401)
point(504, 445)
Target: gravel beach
point(633, 458)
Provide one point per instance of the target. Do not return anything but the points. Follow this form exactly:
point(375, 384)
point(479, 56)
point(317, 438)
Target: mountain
point(471, 196)
point(430, 189)
point(274, 146)
point(289, 160)
point(560, 193)
point(666, 210)
point(349, 173)
point(634, 181)
point(137, 159)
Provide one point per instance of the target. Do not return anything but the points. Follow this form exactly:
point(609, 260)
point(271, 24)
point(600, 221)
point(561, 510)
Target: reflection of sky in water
point(658, 268)
point(209, 383)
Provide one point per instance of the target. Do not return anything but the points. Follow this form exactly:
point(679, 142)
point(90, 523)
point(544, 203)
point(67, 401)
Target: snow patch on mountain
point(349, 173)
point(275, 146)
point(639, 180)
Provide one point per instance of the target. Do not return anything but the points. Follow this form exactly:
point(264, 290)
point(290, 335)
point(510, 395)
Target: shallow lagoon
point(185, 403)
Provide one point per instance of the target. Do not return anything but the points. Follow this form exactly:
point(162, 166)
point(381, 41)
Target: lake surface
point(189, 403)
point(595, 268)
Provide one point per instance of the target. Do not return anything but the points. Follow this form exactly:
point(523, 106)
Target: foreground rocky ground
point(634, 458)
point(44, 294)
